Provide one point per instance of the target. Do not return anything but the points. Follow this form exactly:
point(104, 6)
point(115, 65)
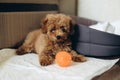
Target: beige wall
point(101, 10)
point(68, 6)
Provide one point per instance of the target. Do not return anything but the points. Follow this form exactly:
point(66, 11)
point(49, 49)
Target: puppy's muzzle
point(58, 37)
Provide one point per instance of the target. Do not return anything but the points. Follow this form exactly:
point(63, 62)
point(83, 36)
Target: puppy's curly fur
point(54, 36)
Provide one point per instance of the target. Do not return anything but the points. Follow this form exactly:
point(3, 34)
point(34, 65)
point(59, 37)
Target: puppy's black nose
point(58, 37)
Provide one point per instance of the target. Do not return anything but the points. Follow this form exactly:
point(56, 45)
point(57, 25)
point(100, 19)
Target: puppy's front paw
point(46, 61)
point(79, 58)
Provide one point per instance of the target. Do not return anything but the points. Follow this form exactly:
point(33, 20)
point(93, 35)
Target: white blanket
point(26, 67)
point(109, 27)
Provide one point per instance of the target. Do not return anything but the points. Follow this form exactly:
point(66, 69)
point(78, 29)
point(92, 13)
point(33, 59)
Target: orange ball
point(63, 59)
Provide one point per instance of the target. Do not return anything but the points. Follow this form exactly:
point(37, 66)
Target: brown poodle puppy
point(54, 36)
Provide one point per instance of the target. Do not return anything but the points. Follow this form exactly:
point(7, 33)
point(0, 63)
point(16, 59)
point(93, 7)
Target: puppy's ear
point(72, 26)
point(44, 27)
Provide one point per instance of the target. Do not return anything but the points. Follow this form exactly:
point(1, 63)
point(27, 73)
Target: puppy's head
point(58, 27)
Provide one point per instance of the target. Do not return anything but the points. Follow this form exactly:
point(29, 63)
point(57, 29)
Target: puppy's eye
point(52, 30)
point(64, 30)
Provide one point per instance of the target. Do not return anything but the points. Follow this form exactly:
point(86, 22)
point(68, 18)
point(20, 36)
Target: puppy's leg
point(24, 49)
point(46, 58)
point(77, 57)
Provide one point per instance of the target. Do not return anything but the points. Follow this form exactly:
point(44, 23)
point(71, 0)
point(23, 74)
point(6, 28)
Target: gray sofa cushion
point(92, 42)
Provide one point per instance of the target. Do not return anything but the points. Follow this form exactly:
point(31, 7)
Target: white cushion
point(116, 24)
point(105, 27)
point(109, 27)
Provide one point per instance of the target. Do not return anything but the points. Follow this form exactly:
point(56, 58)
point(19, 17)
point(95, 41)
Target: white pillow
point(110, 28)
point(99, 26)
point(116, 24)
point(105, 27)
